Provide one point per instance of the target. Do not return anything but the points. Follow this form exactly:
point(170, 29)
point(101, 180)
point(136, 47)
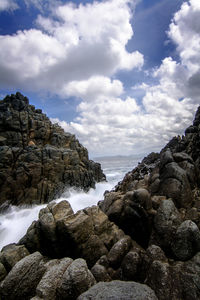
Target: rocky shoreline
point(141, 242)
point(38, 160)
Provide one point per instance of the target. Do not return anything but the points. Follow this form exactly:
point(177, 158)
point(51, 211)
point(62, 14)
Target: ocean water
point(15, 222)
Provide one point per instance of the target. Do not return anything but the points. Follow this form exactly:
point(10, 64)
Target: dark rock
point(174, 183)
point(178, 280)
point(142, 197)
point(159, 279)
point(76, 280)
point(186, 242)
point(11, 254)
point(166, 158)
point(60, 233)
point(119, 290)
point(190, 279)
point(166, 223)
point(168, 228)
point(138, 174)
point(51, 279)
point(22, 280)
point(182, 156)
point(118, 251)
point(37, 158)
point(100, 273)
point(156, 253)
point(128, 214)
point(3, 272)
point(130, 266)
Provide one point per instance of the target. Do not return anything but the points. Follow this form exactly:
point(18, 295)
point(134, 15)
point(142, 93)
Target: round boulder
point(119, 290)
point(187, 240)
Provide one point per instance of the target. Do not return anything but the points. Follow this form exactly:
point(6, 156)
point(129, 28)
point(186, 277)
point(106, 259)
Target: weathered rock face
point(88, 234)
point(37, 276)
point(63, 247)
point(146, 233)
point(172, 174)
point(158, 205)
point(37, 158)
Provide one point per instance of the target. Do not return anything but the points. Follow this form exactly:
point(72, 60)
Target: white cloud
point(180, 80)
point(8, 5)
point(75, 43)
point(76, 52)
point(109, 122)
point(94, 87)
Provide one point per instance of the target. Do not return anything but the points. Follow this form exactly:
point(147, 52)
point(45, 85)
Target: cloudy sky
point(123, 75)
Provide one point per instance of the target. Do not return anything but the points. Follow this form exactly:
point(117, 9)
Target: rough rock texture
point(158, 205)
point(76, 280)
point(37, 158)
point(46, 289)
point(186, 241)
point(11, 254)
point(88, 234)
point(146, 232)
point(21, 281)
point(119, 290)
point(58, 237)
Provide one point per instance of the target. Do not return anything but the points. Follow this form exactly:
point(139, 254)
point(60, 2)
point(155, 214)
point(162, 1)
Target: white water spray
point(15, 222)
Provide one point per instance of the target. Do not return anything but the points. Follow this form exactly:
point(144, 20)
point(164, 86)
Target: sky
point(122, 75)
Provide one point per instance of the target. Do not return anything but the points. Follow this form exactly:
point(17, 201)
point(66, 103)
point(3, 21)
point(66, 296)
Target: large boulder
point(129, 212)
point(76, 280)
point(119, 290)
point(166, 223)
point(186, 242)
point(177, 177)
point(22, 280)
point(46, 289)
point(176, 280)
point(88, 234)
point(37, 158)
point(11, 254)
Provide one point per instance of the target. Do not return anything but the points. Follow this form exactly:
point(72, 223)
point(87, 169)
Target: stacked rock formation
point(37, 158)
point(141, 242)
point(158, 205)
point(63, 254)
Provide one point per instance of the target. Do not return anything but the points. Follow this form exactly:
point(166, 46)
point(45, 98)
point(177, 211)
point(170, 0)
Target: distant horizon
point(134, 156)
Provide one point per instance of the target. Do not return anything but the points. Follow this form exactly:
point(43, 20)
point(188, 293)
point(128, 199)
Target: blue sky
point(123, 75)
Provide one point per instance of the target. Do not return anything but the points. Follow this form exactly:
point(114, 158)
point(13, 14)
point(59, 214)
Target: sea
point(16, 220)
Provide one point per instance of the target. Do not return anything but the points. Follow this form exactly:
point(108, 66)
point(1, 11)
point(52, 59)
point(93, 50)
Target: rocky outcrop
point(36, 277)
point(69, 254)
point(141, 242)
point(88, 234)
point(158, 205)
point(37, 158)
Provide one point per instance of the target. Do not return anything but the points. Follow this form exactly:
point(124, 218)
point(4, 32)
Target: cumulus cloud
point(8, 5)
point(178, 91)
point(110, 122)
point(76, 52)
point(75, 43)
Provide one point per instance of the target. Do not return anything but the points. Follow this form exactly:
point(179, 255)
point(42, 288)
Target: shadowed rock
point(119, 290)
point(37, 158)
